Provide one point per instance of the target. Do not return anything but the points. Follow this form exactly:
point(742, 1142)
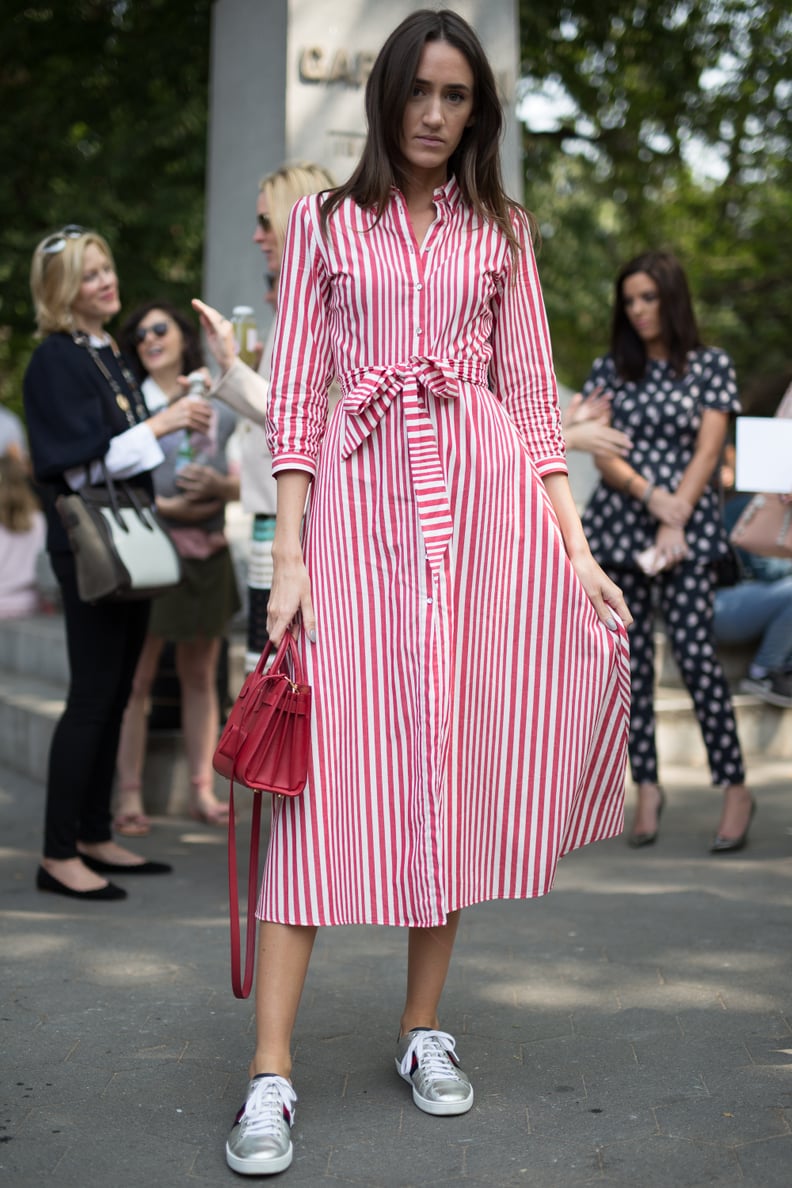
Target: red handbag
point(264, 745)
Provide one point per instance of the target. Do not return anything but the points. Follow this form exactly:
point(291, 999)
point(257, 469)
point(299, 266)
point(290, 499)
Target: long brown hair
point(17, 500)
point(677, 319)
point(476, 161)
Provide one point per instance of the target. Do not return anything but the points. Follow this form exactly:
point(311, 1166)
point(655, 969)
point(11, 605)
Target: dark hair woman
point(440, 519)
point(475, 161)
point(678, 327)
point(191, 498)
point(84, 408)
point(654, 520)
point(131, 337)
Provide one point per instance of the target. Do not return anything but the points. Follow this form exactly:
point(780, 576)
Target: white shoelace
point(264, 1106)
point(433, 1051)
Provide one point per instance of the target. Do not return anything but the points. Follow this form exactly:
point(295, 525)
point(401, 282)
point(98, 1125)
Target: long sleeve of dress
point(302, 363)
point(522, 362)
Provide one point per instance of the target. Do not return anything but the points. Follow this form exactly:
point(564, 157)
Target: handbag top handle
point(287, 654)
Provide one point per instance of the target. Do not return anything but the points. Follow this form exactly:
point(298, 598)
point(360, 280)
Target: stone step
point(765, 730)
point(30, 708)
point(735, 659)
point(29, 711)
point(36, 647)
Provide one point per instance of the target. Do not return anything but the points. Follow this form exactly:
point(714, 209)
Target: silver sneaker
point(427, 1060)
point(260, 1140)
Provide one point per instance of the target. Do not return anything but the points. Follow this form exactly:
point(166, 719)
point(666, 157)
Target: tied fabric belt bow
point(369, 392)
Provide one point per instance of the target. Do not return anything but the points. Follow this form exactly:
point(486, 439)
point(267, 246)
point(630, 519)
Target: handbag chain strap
point(140, 412)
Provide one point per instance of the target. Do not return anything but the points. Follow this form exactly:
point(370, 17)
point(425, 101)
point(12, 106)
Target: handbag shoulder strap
point(241, 986)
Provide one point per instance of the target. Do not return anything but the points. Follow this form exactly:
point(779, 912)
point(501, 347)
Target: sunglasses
point(159, 329)
point(265, 222)
point(57, 242)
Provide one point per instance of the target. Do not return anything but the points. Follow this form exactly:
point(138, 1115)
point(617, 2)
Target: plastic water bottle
point(197, 390)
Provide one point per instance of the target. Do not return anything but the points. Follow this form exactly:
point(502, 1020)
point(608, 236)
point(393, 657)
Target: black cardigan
point(72, 416)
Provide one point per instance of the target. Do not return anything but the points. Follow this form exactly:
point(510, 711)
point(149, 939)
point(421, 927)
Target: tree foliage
point(104, 124)
point(655, 94)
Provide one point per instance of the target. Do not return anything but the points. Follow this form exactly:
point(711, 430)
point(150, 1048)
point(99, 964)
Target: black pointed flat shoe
point(637, 840)
point(126, 868)
point(47, 882)
point(730, 845)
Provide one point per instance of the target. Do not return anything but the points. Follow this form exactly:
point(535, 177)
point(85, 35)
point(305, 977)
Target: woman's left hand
point(671, 546)
point(606, 597)
point(187, 511)
point(198, 482)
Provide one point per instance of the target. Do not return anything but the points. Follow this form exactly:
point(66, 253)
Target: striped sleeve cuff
point(294, 462)
point(552, 465)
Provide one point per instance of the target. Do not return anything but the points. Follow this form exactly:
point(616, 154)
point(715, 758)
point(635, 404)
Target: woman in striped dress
point(467, 656)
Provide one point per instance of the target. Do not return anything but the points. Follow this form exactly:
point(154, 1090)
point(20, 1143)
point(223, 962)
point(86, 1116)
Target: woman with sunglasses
point(84, 408)
point(163, 345)
point(245, 390)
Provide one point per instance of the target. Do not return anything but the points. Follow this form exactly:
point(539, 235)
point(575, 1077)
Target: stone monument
point(287, 79)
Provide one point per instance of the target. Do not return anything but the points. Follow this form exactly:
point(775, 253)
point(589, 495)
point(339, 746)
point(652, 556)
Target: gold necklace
point(140, 412)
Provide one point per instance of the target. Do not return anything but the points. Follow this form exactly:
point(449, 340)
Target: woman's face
point(438, 111)
point(97, 298)
point(641, 300)
point(265, 237)
point(160, 343)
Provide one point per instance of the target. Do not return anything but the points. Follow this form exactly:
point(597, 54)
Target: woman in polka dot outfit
point(654, 522)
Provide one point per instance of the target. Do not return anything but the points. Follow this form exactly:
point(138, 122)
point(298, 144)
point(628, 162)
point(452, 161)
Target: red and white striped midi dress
point(470, 711)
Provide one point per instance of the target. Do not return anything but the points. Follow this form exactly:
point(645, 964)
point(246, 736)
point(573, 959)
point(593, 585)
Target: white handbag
point(122, 551)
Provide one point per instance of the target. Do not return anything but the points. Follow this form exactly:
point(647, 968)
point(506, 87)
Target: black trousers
point(103, 644)
point(685, 595)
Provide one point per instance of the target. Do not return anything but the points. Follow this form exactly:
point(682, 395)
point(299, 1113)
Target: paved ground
point(633, 1028)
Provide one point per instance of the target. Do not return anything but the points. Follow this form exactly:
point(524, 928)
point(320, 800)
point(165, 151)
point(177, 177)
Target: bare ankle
point(264, 1062)
point(410, 1022)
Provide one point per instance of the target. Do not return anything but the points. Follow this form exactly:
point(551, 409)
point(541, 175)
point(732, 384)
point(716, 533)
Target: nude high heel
point(730, 845)
point(637, 840)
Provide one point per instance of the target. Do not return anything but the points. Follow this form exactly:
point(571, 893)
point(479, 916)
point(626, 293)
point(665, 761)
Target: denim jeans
point(758, 610)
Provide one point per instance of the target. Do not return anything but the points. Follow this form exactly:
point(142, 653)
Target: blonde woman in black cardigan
point(83, 407)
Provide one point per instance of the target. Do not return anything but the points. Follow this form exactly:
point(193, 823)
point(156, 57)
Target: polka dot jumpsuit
point(662, 415)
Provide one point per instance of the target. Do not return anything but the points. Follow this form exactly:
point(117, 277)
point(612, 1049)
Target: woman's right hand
point(191, 413)
point(599, 439)
point(290, 599)
point(219, 333)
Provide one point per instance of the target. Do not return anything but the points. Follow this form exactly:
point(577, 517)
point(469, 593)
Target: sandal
point(206, 807)
point(132, 824)
point(129, 819)
point(210, 814)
